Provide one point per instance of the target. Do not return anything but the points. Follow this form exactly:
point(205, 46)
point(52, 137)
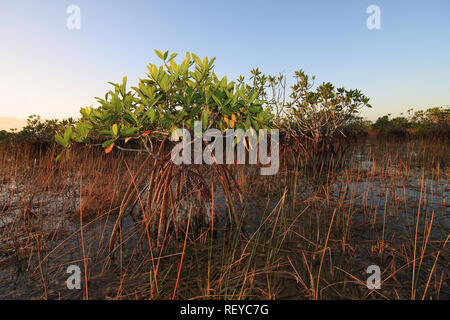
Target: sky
point(53, 71)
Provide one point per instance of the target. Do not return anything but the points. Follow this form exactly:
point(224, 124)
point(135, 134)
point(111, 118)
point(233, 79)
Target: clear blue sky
point(50, 70)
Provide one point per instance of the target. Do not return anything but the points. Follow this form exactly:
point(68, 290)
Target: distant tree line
point(432, 121)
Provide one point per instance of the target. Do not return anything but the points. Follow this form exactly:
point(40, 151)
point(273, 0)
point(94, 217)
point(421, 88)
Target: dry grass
point(309, 232)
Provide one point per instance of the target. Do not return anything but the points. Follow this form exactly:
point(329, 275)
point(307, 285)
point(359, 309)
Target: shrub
point(173, 96)
point(432, 121)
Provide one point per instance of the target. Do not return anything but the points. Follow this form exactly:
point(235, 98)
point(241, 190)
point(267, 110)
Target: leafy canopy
point(174, 95)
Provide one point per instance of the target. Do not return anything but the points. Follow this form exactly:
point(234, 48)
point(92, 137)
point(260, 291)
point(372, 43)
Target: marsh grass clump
point(105, 196)
point(305, 234)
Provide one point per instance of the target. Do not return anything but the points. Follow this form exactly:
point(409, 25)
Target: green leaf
point(67, 136)
point(130, 131)
point(180, 115)
point(151, 115)
point(173, 55)
point(205, 118)
point(248, 123)
point(195, 111)
point(219, 103)
point(81, 130)
point(131, 118)
point(59, 156)
point(59, 140)
point(107, 143)
point(84, 112)
point(164, 83)
point(197, 59)
point(114, 129)
point(254, 109)
point(255, 124)
point(253, 97)
point(159, 54)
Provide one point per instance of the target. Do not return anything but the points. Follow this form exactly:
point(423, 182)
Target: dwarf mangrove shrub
point(422, 122)
point(173, 96)
point(324, 112)
point(37, 132)
point(434, 120)
point(315, 120)
point(5, 135)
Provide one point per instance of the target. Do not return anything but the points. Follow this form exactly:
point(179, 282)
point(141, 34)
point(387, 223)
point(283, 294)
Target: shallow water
point(390, 195)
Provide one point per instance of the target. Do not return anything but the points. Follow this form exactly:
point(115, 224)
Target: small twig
point(139, 150)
